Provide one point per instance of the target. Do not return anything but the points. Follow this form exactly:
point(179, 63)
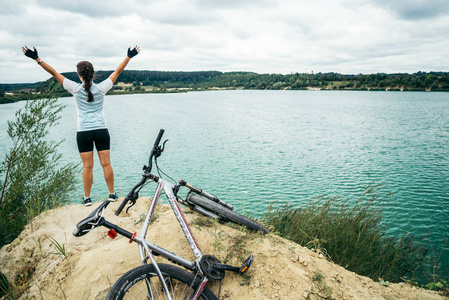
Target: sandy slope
point(281, 270)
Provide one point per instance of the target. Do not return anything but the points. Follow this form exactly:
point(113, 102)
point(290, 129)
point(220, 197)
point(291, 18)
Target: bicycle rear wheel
point(133, 284)
point(226, 213)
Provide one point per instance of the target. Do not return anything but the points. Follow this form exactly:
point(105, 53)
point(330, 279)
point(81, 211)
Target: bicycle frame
point(146, 247)
point(202, 265)
point(168, 189)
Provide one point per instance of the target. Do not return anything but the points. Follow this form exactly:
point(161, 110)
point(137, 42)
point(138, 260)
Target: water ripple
point(254, 148)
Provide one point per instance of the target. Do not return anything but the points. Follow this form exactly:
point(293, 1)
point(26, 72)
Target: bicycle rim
point(133, 284)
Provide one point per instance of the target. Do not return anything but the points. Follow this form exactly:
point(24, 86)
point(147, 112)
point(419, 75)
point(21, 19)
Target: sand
point(281, 269)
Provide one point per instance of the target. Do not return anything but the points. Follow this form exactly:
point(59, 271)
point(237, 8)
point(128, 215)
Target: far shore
point(11, 97)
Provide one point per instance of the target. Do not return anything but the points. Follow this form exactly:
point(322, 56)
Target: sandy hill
point(281, 269)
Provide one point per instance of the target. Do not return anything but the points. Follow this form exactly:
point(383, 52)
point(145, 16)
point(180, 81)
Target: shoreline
point(12, 98)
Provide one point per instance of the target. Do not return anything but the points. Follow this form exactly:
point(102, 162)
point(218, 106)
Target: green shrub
point(31, 178)
point(351, 234)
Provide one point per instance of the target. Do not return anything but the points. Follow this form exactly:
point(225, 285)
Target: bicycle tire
point(226, 213)
point(132, 285)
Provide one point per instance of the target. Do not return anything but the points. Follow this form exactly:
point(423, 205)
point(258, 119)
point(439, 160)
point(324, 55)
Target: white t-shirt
point(90, 115)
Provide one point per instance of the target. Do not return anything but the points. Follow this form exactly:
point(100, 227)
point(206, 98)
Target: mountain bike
point(164, 281)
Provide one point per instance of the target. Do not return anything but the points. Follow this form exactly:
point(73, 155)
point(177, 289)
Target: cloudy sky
point(264, 36)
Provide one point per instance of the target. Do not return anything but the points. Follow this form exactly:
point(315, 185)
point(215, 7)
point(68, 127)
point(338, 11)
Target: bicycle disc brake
point(207, 265)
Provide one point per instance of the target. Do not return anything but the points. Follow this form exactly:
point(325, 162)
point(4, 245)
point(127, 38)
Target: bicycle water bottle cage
point(93, 220)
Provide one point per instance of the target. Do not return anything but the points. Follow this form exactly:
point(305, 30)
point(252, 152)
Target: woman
point(91, 125)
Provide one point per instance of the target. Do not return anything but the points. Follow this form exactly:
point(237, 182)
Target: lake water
point(253, 148)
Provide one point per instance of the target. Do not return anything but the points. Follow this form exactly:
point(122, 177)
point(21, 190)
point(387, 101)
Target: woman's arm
point(33, 55)
point(124, 63)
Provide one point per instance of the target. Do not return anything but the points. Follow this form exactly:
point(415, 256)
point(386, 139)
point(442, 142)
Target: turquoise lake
point(253, 148)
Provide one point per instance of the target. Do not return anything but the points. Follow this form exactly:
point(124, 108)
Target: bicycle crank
point(213, 269)
point(208, 265)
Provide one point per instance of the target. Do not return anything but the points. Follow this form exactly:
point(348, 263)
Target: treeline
point(157, 81)
point(11, 92)
point(421, 81)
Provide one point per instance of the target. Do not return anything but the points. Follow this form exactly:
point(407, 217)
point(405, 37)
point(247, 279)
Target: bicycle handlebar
point(122, 206)
point(158, 139)
point(155, 151)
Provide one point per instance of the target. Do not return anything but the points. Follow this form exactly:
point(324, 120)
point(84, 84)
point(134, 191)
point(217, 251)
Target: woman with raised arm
point(91, 124)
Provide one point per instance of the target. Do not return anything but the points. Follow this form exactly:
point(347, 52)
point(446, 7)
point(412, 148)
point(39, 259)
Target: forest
point(131, 81)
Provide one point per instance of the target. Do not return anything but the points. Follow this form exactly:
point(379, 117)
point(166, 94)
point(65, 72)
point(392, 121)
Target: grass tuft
point(352, 235)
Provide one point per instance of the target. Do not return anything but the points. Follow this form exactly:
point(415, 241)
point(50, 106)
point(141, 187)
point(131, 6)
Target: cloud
point(175, 12)
point(14, 8)
point(234, 4)
point(415, 9)
point(265, 36)
point(93, 9)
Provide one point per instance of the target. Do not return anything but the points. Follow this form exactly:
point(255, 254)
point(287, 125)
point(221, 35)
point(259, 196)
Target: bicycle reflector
point(112, 234)
point(246, 264)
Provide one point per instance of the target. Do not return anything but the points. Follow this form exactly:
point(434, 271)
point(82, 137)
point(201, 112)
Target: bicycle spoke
point(178, 290)
point(132, 292)
point(184, 292)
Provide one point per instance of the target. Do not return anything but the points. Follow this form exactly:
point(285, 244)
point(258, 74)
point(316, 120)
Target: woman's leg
point(105, 161)
point(88, 163)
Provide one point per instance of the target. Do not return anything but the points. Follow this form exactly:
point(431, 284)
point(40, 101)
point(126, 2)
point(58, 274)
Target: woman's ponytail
point(86, 71)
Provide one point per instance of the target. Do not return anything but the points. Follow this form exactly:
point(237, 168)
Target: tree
point(278, 86)
point(31, 178)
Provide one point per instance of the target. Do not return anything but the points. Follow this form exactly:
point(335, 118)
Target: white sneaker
point(87, 201)
point(113, 197)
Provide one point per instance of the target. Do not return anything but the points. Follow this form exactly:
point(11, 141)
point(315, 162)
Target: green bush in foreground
point(31, 179)
point(352, 235)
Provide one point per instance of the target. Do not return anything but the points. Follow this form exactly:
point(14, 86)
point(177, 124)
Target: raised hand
point(30, 53)
point(133, 52)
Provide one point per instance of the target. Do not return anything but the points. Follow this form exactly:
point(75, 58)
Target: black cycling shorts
point(87, 139)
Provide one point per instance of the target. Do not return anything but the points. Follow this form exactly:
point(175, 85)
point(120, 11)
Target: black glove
point(134, 52)
point(30, 53)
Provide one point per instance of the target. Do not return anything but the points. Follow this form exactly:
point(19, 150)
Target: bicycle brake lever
point(133, 202)
point(163, 145)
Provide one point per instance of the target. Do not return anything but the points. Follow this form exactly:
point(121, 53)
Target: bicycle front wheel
point(226, 213)
point(133, 284)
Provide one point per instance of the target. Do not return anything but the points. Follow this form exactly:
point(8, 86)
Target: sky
point(263, 36)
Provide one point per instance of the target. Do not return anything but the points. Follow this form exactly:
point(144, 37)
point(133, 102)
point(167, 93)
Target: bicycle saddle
point(92, 220)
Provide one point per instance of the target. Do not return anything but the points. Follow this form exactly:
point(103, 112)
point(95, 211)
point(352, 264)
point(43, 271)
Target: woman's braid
point(86, 71)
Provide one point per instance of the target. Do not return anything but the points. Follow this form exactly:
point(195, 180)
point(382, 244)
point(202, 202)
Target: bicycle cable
point(159, 170)
point(142, 186)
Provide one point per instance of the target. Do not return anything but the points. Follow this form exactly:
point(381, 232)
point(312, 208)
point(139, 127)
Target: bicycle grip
point(158, 139)
point(122, 205)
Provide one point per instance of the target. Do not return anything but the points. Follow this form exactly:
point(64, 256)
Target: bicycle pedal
point(245, 266)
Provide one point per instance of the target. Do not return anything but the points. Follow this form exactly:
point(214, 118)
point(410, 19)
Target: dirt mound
point(281, 269)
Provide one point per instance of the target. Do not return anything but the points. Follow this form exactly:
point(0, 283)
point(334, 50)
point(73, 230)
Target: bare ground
point(281, 269)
